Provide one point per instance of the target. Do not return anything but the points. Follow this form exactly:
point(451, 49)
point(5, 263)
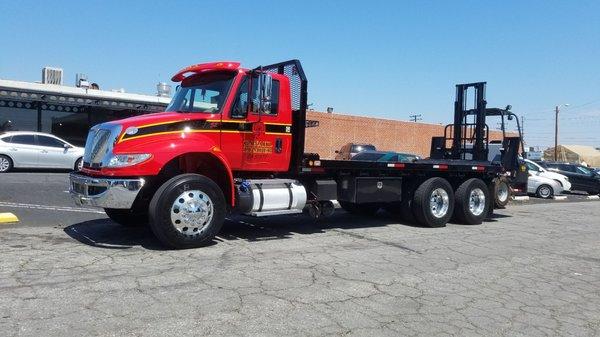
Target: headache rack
point(298, 87)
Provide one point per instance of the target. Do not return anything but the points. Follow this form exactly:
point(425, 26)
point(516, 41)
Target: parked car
point(536, 169)
point(20, 149)
point(351, 149)
point(385, 156)
point(543, 187)
point(582, 178)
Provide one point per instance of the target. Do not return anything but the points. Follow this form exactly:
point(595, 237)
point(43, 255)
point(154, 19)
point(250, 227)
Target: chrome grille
point(99, 144)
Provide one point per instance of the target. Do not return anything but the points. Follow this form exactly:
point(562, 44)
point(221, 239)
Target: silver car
point(543, 187)
point(23, 149)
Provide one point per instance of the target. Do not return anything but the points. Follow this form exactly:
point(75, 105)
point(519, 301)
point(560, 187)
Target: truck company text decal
point(258, 146)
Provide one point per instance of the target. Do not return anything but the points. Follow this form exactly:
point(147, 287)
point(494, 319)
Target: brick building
point(335, 130)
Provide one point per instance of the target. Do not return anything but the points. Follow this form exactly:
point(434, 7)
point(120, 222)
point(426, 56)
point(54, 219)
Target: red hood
point(154, 118)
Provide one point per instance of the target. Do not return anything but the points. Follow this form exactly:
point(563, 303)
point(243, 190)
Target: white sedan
point(543, 187)
point(536, 169)
point(23, 149)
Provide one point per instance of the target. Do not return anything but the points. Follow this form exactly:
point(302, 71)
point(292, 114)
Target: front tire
point(6, 164)
point(433, 202)
point(472, 202)
point(127, 217)
point(544, 191)
point(78, 164)
point(187, 211)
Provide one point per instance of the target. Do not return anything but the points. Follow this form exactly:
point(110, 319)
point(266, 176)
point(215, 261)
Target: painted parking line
point(8, 218)
point(51, 208)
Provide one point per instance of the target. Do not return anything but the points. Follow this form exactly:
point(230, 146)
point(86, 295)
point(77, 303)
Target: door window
point(50, 142)
point(23, 139)
point(240, 105)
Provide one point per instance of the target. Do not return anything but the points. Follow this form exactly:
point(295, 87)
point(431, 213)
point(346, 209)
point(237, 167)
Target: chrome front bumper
point(104, 192)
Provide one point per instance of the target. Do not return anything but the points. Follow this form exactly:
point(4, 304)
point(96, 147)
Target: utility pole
point(416, 118)
point(556, 133)
point(556, 111)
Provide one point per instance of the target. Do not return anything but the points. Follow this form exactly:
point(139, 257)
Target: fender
point(165, 148)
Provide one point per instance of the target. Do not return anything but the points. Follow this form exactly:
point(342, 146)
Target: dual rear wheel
point(435, 202)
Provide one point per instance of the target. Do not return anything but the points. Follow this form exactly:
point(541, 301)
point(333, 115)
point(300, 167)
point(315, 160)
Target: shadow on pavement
point(103, 233)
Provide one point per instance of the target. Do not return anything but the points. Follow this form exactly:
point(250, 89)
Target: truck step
point(280, 212)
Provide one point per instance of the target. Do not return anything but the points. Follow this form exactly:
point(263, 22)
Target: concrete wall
point(335, 130)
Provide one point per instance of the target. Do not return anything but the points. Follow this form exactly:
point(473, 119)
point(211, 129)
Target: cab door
point(256, 141)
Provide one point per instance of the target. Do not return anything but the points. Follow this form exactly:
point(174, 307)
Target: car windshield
point(368, 156)
point(531, 166)
point(584, 170)
point(360, 148)
point(204, 93)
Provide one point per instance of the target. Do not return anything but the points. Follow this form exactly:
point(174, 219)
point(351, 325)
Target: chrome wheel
point(439, 202)
point(4, 164)
point(79, 164)
point(545, 191)
point(191, 212)
point(477, 201)
point(502, 192)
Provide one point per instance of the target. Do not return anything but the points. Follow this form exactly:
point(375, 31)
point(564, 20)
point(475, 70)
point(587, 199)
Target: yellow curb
point(8, 217)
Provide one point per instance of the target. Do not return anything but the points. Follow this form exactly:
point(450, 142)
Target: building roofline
point(62, 90)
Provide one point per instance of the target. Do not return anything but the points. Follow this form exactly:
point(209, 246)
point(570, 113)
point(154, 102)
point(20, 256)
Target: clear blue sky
point(386, 59)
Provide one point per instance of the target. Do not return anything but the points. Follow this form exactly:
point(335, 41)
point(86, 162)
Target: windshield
point(583, 170)
point(368, 156)
point(531, 166)
point(360, 148)
point(204, 93)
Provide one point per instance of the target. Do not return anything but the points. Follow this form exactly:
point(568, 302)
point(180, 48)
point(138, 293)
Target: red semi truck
point(232, 141)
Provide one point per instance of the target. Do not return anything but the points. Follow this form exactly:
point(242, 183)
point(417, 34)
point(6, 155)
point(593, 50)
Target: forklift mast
point(468, 136)
point(469, 124)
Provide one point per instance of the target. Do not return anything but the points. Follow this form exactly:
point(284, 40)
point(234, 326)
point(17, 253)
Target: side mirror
point(67, 146)
point(265, 92)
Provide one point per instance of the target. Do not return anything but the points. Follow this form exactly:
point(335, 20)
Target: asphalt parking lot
point(532, 270)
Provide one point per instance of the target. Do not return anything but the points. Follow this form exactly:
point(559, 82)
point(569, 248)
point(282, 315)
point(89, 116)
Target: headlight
point(123, 160)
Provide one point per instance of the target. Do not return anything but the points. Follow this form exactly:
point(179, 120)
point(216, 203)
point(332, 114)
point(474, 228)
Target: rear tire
point(544, 191)
point(6, 164)
point(359, 209)
point(127, 217)
point(433, 202)
point(187, 211)
point(472, 202)
point(502, 192)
